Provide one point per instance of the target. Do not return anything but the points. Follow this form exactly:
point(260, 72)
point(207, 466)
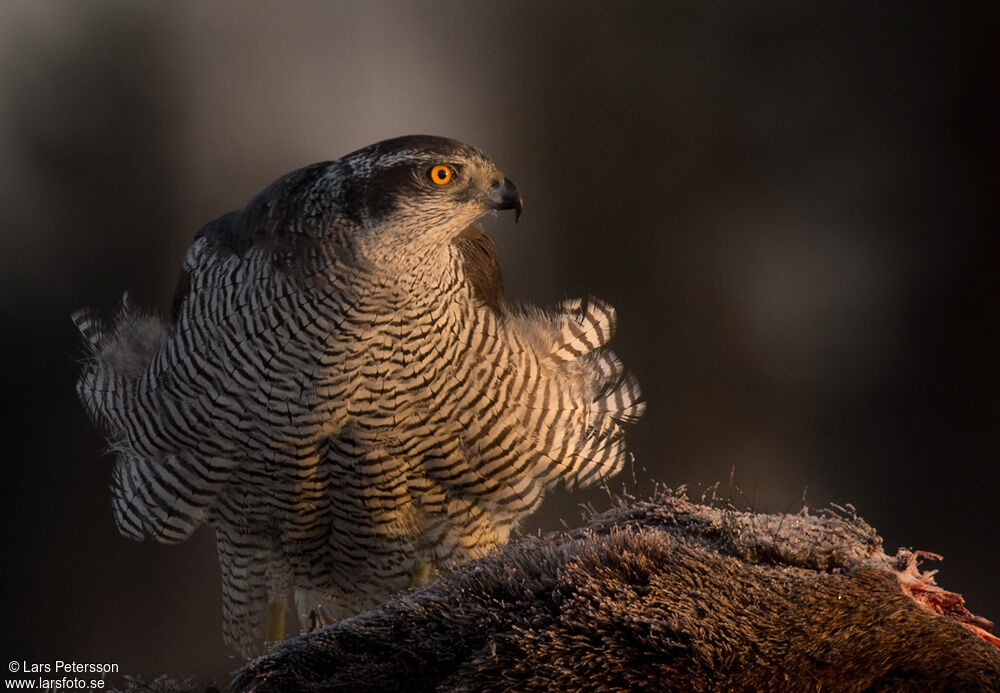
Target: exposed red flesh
point(921, 587)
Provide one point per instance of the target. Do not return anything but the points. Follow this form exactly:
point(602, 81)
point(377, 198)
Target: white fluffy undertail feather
point(120, 351)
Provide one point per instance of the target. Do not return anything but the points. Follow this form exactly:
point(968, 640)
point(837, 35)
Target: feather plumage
point(344, 395)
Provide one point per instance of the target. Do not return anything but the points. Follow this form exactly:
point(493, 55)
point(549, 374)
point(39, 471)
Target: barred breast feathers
point(571, 411)
point(572, 344)
point(157, 389)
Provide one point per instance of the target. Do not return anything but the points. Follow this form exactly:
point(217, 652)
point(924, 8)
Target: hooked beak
point(503, 194)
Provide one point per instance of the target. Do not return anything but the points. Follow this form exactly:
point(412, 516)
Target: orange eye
point(442, 175)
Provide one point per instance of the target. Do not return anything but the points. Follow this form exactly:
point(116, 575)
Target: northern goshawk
point(344, 394)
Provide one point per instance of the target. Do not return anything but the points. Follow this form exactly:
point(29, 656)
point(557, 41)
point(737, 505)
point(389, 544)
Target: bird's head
point(394, 203)
point(418, 192)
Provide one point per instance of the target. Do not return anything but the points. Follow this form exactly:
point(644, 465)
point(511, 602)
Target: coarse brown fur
point(658, 595)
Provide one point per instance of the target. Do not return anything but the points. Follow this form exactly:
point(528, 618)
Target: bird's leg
point(422, 573)
point(275, 621)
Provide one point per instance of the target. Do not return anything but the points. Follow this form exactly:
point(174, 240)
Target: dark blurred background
point(794, 207)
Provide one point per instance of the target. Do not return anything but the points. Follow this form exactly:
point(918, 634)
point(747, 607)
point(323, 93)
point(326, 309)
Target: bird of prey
point(344, 394)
